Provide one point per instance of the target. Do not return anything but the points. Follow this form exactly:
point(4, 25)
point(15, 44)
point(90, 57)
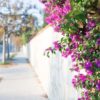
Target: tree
point(12, 18)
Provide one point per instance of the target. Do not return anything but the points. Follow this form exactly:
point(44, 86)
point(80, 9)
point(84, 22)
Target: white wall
point(53, 72)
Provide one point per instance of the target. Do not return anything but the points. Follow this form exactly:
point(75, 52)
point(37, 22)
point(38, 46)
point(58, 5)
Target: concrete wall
point(53, 72)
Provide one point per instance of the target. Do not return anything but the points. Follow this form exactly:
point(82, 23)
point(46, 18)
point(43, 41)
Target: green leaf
point(80, 48)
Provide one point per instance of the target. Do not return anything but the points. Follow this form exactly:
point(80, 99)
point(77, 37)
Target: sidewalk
point(19, 82)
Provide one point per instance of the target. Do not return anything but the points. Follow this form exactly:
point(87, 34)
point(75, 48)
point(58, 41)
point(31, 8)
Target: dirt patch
point(45, 96)
point(6, 65)
point(1, 79)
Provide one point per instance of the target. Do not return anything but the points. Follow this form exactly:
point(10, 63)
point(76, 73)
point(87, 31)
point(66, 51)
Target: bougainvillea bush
point(79, 22)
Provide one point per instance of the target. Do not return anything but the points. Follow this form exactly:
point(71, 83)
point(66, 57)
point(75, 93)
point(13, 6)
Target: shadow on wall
point(57, 87)
point(28, 50)
point(1, 79)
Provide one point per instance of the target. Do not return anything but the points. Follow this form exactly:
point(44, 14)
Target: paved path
point(19, 82)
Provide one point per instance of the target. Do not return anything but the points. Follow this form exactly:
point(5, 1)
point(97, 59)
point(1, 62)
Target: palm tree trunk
point(4, 50)
point(8, 49)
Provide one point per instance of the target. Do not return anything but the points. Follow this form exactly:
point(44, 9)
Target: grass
point(8, 61)
point(4, 63)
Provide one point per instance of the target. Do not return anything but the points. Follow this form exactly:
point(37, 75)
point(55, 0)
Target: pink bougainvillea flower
point(98, 42)
point(91, 23)
point(57, 45)
point(98, 85)
point(66, 53)
point(89, 72)
point(97, 61)
point(88, 65)
point(74, 82)
point(82, 77)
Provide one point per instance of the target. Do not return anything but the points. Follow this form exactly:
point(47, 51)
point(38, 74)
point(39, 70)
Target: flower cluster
point(57, 9)
point(79, 21)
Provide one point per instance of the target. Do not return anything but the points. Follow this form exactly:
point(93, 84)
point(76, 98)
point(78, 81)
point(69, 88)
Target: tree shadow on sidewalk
point(20, 60)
